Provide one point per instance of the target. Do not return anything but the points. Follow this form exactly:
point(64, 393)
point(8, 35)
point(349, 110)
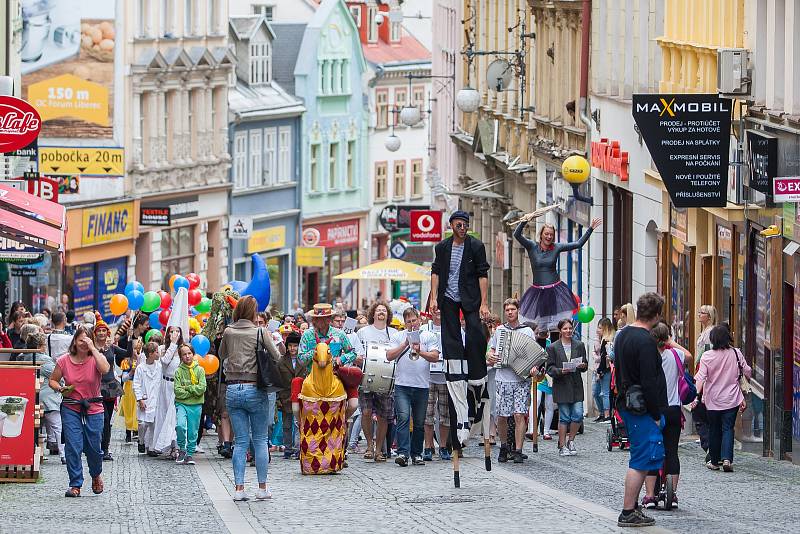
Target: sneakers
point(142, 448)
point(240, 496)
point(188, 460)
point(518, 457)
point(599, 419)
point(571, 448)
point(445, 455)
point(417, 460)
point(649, 502)
point(563, 451)
point(635, 519)
point(503, 456)
point(712, 466)
point(181, 457)
point(726, 466)
point(107, 457)
point(427, 455)
point(199, 450)
point(263, 494)
point(606, 421)
point(401, 460)
point(674, 501)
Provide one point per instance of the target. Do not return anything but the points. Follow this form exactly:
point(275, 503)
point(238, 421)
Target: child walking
point(190, 388)
point(146, 385)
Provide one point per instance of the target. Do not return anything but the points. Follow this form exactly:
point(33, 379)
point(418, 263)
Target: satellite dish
point(498, 75)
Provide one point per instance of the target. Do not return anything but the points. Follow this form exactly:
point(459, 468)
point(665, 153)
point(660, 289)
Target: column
point(208, 120)
point(138, 152)
point(186, 126)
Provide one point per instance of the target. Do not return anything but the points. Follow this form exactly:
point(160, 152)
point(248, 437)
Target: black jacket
point(638, 362)
point(473, 267)
point(567, 387)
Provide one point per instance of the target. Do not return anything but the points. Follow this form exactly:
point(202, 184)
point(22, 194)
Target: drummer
point(513, 394)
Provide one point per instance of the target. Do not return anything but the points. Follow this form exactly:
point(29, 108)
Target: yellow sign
point(267, 239)
point(98, 161)
point(68, 96)
point(107, 223)
point(310, 256)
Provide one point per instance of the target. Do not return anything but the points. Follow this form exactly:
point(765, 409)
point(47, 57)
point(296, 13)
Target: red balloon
point(194, 282)
point(195, 297)
point(166, 299)
point(163, 317)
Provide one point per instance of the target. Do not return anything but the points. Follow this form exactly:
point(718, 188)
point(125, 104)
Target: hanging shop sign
point(786, 189)
point(608, 156)
point(239, 227)
point(93, 161)
point(154, 216)
point(426, 225)
point(388, 218)
point(398, 250)
point(404, 214)
point(20, 124)
point(112, 222)
point(310, 256)
point(332, 235)
point(267, 239)
point(688, 136)
point(763, 155)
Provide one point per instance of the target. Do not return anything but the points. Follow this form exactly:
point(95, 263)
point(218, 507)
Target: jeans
point(108, 414)
point(600, 391)
point(271, 400)
point(52, 423)
point(355, 428)
point(410, 402)
point(247, 409)
point(80, 438)
point(570, 412)
point(720, 434)
point(187, 424)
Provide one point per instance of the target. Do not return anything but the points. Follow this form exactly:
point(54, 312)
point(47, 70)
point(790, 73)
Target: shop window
point(275, 270)
point(416, 178)
point(177, 252)
point(724, 277)
point(399, 180)
point(681, 281)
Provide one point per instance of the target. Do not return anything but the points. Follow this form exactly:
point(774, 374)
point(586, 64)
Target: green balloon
point(150, 333)
point(586, 314)
point(204, 306)
point(151, 302)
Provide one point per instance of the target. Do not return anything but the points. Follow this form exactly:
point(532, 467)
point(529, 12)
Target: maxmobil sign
point(786, 189)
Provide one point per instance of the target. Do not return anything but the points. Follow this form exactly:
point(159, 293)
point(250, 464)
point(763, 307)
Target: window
point(188, 17)
point(240, 160)
point(416, 178)
point(177, 251)
point(333, 169)
point(263, 9)
point(213, 17)
point(381, 108)
point(260, 63)
point(356, 12)
point(285, 154)
point(394, 32)
point(372, 26)
point(143, 18)
point(351, 168)
point(256, 161)
point(399, 179)
point(269, 156)
point(400, 100)
point(167, 18)
point(418, 96)
point(380, 180)
point(314, 167)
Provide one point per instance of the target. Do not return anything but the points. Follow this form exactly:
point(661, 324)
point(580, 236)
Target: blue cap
point(459, 214)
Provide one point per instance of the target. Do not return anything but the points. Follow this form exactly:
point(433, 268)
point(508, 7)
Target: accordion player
point(519, 352)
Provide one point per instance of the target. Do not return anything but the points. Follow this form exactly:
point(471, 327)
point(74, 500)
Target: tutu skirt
point(547, 305)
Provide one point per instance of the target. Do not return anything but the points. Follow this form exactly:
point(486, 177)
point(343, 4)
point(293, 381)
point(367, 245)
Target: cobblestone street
point(556, 494)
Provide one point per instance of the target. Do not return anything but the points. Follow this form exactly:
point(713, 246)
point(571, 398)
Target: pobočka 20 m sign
point(688, 136)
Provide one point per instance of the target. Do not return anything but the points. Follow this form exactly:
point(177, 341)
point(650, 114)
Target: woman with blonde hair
point(707, 315)
point(627, 316)
point(602, 373)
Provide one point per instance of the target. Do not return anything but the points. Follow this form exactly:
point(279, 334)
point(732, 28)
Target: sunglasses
point(460, 225)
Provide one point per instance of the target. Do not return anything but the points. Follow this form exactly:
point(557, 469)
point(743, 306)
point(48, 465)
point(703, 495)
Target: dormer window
point(395, 32)
point(260, 63)
point(372, 25)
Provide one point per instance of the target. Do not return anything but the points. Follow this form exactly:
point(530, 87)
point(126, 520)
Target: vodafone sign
point(426, 225)
point(19, 124)
point(786, 189)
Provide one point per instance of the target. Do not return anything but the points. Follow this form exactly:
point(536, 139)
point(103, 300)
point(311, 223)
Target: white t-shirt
point(437, 377)
point(355, 341)
point(58, 344)
point(671, 373)
point(414, 373)
point(506, 374)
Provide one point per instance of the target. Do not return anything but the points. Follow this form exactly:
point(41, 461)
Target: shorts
point(380, 404)
point(645, 440)
point(438, 400)
point(513, 397)
point(570, 412)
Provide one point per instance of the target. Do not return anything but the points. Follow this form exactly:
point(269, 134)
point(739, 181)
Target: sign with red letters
point(20, 124)
point(608, 156)
point(426, 225)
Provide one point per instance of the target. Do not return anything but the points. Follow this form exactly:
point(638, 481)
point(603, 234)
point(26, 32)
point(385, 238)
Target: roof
point(288, 38)
point(245, 27)
point(250, 102)
point(408, 51)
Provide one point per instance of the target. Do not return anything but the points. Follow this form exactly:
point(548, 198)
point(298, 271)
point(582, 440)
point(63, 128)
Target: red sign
point(19, 124)
point(607, 156)
point(332, 235)
point(41, 186)
point(426, 225)
point(786, 189)
point(17, 402)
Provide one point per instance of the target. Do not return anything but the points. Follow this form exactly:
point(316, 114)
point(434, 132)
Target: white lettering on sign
point(786, 189)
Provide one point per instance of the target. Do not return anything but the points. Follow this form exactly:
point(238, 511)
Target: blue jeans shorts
point(646, 441)
point(570, 412)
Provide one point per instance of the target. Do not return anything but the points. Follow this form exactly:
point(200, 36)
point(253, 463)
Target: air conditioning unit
point(733, 74)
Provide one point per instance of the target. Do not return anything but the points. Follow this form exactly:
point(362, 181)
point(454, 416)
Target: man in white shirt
point(513, 393)
point(411, 382)
point(382, 405)
point(437, 397)
point(58, 340)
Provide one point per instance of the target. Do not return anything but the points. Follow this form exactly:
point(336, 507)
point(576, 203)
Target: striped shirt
point(452, 291)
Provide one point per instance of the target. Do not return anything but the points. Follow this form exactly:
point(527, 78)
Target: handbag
point(267, 377)
point(744, 383)
point(687, 390)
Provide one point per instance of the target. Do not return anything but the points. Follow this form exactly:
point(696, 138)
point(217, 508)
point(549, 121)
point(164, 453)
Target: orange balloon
point(209, 363)
point(172, 281)
point(118, 304)
point(202, 317)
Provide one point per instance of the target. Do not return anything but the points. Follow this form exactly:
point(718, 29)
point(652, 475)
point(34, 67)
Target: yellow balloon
point(575, 169)
point(194, 324)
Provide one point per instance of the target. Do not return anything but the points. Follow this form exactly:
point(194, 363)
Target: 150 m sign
point(97, 161)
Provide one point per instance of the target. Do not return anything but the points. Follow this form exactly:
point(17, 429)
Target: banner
point(763, 159)
point(111, 279)
point(154, 216)
point(68, 66)
point(111, 222)
point(83, 289)
point(688, 136)
point(17, 403)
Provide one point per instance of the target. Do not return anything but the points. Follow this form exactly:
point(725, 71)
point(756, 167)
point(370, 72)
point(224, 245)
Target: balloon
point(133, 286)
point(155, 322)
point(259, 285)
point(163, 316)
point(194, 324)
point(150, 302)
point(166, 300)
point(575, 169)
point(180, 282)
point(201, 344)
point(204, 306)
point(202, 317)
point(195, 297)
point(194, 280)
point(150, 332)
point(209, 363)
point(172, 281)
point(118, 304)
point(135, 299)
point(586, 314)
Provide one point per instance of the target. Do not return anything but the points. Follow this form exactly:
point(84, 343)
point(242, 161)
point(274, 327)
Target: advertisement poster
point(763, 155)
point(83, 289)
point(688, 136)
point(111, 279)
point(68, 65)
point(17, 402)
point(796, 401)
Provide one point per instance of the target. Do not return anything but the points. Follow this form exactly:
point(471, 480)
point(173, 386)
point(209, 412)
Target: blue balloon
point(154, 322)
point(180, 282)
point(135, 299)
point(201, 344)
point(133, 286)
point(259, 286)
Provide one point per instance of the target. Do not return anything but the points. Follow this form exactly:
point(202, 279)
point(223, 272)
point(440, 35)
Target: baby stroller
point(616, 434)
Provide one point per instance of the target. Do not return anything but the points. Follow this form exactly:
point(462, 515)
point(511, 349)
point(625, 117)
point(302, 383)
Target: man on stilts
point(459, 285)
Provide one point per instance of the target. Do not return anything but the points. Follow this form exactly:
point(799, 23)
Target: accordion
point(519, 352)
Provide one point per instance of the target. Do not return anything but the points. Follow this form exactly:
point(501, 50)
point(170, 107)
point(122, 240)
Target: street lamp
point(468, 99)
point(410, 115)
point(392, 142)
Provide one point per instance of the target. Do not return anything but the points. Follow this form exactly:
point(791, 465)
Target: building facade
point(265, 133)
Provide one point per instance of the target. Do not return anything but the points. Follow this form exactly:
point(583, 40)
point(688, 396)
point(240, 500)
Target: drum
point(378, 371)
point(438, 366)
point(519, 352)
point(322, 436)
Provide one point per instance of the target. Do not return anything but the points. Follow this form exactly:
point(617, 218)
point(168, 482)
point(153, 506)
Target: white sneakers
point(240, 496)
point(571, 447)
point(261, 495)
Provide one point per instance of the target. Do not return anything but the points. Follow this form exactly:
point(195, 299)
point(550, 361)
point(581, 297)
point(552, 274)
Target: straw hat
point(321, 310)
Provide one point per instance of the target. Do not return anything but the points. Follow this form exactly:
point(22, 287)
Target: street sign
point(786, 189)
point(97, 161)
point(426, 225)
point(240, 227)
point(398, 250)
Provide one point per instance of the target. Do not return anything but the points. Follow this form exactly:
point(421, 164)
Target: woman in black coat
point(567, 384)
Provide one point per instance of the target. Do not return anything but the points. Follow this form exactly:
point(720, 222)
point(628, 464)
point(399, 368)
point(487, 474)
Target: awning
point(31, 220)
point(388, 270)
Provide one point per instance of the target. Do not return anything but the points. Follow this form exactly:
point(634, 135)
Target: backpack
point(687, 390)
